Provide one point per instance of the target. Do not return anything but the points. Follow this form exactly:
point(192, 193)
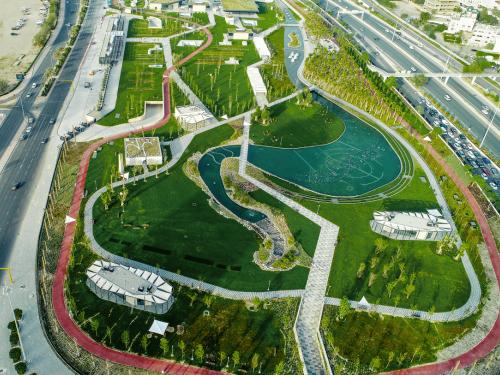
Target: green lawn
point(296, 126)
point(169, 223)
point(138, 83)
point(269, 15)
point(230, 326)
point(225, 89)
point(361, 337)
point(274, 72)
point(171, 24)
point(180, 52)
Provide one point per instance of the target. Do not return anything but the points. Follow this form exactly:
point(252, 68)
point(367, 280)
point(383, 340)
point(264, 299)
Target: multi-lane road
point(392, 52)
point(23, 164)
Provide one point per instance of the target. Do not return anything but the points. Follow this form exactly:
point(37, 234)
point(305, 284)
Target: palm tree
point(164, 345)
point(182, 347)
point(125, 336)
point(236, 358)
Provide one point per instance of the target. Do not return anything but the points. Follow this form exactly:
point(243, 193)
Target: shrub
point(14, 338)
point(21, 368)
point(15, 354)
point(18, 313)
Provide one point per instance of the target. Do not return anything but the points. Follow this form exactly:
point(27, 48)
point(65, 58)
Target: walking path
point(60, 308)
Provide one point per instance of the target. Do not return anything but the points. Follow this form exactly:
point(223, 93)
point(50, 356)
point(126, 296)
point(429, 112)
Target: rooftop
point(431, 221)
point(239, 6)
point(129, 281)
point(142, 147)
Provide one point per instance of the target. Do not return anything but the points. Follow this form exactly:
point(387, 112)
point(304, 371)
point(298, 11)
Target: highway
point(24, 162)
point(391, 52)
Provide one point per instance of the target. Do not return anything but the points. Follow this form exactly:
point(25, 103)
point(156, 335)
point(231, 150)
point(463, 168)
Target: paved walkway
point(66, 322)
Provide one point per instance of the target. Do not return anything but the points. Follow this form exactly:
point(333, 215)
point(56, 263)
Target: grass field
point(269, 15)
point(169, 223)
point(138, 83)
point(361, 337)
point(274, 72)
point(230, 326)
point(180, 52)
point(171, 24)
point(295, 126)
point(225, 89)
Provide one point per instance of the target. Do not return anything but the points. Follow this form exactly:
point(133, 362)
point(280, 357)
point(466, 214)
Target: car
point(485, 111)
point(28, 95)
point(28, 129)
point(413, 69)
point(493, 185)
point(411, 47)
point(447, 97)
point(461, 154)
point(486, 160)
point(494, 171)
point(45, 140)
point(23, 137)
point(31, 120)
point(486, 171)
point(386, 30)
point(34, 85)
point(471, 155)
point(457, 146)
point(477, 154)
point(436, 123)
point(16, 186)
point(462, 137)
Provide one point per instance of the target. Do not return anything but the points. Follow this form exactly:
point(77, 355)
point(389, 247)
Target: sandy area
point(13, 47)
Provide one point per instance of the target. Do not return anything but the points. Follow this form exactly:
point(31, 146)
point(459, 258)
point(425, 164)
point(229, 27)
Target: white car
point(493, 186)
point(447, 97)
point(413, 69)
point(28, 95)
point(34, 85)
point(28, 129)
point(411, 47)
point(485, 110)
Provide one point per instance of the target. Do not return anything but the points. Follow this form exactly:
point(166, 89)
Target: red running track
point(128, 359)
point(492, 339)
point(62, 314)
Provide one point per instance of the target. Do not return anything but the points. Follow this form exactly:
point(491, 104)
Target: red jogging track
point(158, 365)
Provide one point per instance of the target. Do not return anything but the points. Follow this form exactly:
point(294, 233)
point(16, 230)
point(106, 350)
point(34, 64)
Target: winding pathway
point(60, 308)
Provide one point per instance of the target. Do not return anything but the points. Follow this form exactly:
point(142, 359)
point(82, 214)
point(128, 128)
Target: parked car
point(45, 140)
point(493, 185)
point(16, 186)
point(447, 97)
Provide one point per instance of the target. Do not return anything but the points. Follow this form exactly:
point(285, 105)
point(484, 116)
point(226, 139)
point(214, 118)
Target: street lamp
point(488, 128)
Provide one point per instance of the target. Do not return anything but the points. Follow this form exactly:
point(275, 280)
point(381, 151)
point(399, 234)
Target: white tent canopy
point(158, 327)
point(364, 303)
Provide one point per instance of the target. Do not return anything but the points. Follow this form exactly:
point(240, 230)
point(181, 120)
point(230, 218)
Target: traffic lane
point(25, 158)
point(474, 100)
point(467, 119)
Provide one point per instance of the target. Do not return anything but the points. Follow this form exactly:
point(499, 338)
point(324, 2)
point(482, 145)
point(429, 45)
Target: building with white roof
point(484, 35)
point(192, 117)
point(489, 4)
point(261, 47)
point(258, 85)
point(462, 22)
point(143, 150)
point(140, 289)
point(424, 226)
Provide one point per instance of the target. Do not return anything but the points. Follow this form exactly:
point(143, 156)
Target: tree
point(375, 363)
point(18, 313)
point(255, 361)
point(164, 345)
point(182, 347)
point(425, 17)
point(265, 116)
point(390, 287)
point(4, 86)
point(390, 358)
point(94, 323)
point(125, 336)
point(410, 288)
point(420, 80)
point(380, 245)
point(462, 250)
point(279, 369)
point(199, 352)
point(361, 270)
point(144, 342)
point(15, 354)
point(344, 308)
point(208, 299)
point(236, 358)
point(192, 296)
point(21, 368)
point(123, 197)
point(222, 357)
point(391, 82)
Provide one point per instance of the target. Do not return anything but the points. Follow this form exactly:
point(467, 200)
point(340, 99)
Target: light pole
point(488, 128)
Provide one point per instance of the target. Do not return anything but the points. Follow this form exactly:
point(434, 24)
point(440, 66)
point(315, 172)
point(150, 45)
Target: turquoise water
point(360, 161)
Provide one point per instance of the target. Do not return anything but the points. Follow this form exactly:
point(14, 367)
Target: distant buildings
point(192, 117)
point(113, 41)
point(162, 5)
point(489, 4)
point(462, 22)
point(441, 6)
point(240, 8)
point(129, 286)
point(424, 226)
point(483, 35)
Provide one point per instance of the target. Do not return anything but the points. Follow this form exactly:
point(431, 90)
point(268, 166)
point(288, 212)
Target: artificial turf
point(169, 223)
point(139, 82)
point(293, 125)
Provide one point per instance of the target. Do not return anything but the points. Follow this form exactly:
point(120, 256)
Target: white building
point(489, 4)
point(423, 226)
point(163, 5)
point(192, 117)
point(483, 35)
point(261, 47)
point(129, 286)
point(441, 6)
point(199, 6)
point(462, 22)
point(143, 150)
